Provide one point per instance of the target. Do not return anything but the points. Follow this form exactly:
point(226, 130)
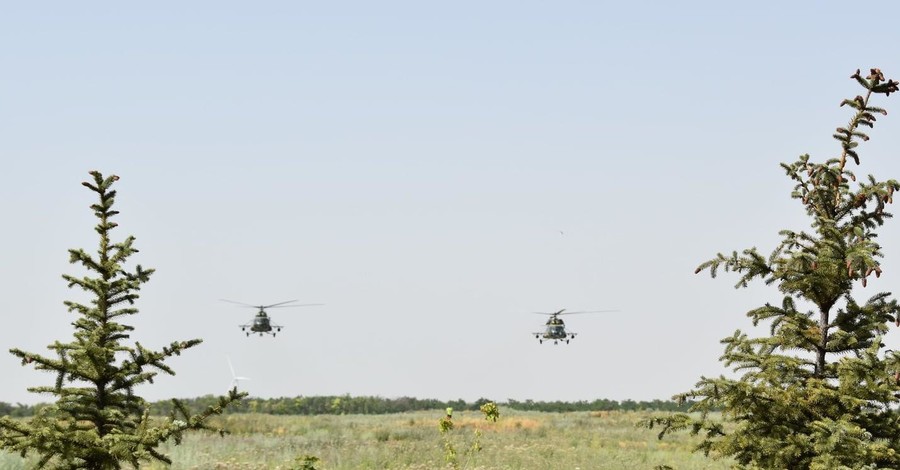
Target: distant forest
point(345, 404)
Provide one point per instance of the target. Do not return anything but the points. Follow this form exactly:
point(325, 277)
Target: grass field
point(519, 440)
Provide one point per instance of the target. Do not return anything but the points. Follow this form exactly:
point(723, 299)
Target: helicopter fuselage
point(555, 329)
point(261, 324)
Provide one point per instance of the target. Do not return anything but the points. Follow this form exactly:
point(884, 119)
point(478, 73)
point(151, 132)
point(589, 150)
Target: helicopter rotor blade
point(240, 303)
point(297, 305)
point(277, 304)
point(563, 312)
point(587, 311)
point(548, 313)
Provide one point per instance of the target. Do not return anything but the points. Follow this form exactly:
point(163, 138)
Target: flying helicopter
point(261, 322)
point(555, 328)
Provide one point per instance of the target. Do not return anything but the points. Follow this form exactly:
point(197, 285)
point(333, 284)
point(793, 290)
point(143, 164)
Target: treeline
point(598, 405)
point(346, 404)
point(320, 405)
point(19, 410)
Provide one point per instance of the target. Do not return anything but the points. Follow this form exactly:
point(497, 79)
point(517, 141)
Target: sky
point(433, 173)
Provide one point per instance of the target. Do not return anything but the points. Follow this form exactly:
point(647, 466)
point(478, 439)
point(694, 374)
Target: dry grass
point(411, 441)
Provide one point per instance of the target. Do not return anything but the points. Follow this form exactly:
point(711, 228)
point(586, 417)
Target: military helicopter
point(555, 328)
point(261, 322)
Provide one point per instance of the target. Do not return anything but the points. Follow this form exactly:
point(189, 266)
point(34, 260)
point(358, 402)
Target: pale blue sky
point(411, 166)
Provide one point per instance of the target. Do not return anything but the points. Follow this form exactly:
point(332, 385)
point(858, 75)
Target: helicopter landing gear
point(273, 334)
point(567, 341)
point(248, 335)
point(540, 341)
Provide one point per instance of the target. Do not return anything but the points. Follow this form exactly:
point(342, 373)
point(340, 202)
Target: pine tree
point(97, 422)
point(821, 391)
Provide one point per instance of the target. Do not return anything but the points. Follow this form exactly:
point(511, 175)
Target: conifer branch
point(97, 421)
point(817, 392)
point(751, 264)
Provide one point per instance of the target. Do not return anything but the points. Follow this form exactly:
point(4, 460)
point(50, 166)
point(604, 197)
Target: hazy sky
point(411, 165)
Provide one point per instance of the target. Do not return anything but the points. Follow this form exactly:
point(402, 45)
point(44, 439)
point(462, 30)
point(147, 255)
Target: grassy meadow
point(519, 440)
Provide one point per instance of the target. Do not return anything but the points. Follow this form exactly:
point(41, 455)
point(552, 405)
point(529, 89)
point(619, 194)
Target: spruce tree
point(821, 390)
point(97, 421)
